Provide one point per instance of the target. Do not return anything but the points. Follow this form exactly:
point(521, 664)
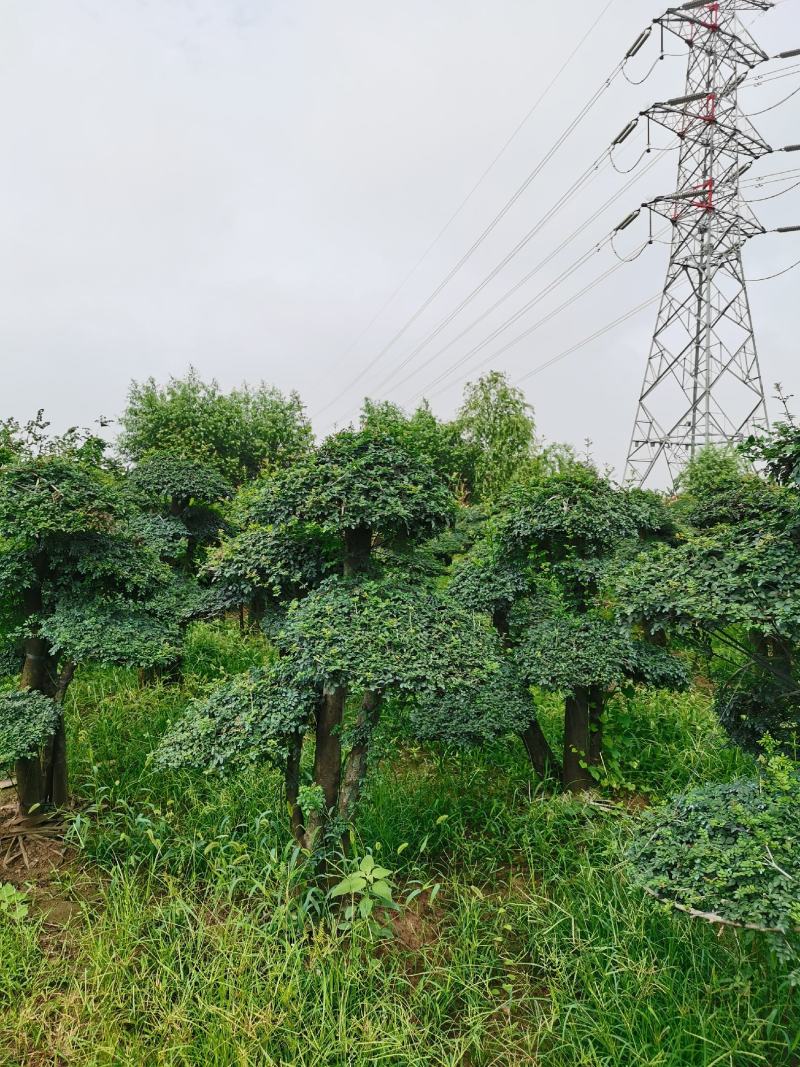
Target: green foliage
point(13, 903)
point(572, 652)
point(279, 562)
point(368, 886)
point(496, 706)
point(576, 513)
point(497, 422)
point(359, 481)
point(116, 630)
point(422, 434)
point(27, 720)
point(238, 433)
point(757, 703)
point(743, 574)
point(55, 495)
point(163, 477)
point(537, 949)
point(731, 851)
point(779, 451)
point(246, 720)
point(381, 634)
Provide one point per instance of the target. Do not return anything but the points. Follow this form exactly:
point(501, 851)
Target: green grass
point(197, 941)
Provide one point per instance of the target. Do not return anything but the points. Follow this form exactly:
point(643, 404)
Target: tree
point(237, 433)
point(497, 423)
point(372, 627)
point(542, 576)
point(732, 585)
point(180, 502)
point(422, 434)
point(77, 583)
point(729, 853)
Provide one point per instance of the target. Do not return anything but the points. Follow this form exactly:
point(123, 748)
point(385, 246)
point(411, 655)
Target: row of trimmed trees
point(452, 570)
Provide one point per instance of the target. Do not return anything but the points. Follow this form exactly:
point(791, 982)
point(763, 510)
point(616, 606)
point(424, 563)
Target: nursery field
point(426, 744)
point(179, 927)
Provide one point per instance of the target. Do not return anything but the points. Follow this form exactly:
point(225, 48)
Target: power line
point(486, 232)
point(587, 175)
point(511, 320)
point(769, 277)
point(528, 115)
point(588, 340)
point(530, 274)
point(521, 336)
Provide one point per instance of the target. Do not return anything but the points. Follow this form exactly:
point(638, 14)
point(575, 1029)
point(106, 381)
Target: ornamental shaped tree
point(181, 499)
point(371, 627)
point(540, 575)
point(77, 583)
point(733, 584)
point(729, 853)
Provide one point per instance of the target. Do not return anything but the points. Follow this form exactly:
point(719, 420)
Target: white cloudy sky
point(241, 185)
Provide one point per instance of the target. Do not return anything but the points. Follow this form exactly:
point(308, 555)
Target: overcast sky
point(242, 184)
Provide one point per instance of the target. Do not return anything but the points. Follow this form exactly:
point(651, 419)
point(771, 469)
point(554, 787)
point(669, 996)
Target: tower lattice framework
point(702, 385)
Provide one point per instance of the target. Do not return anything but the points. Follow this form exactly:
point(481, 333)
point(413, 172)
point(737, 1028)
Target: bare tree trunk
point(357, 548)
point(536, 744)
point(597, 700)
point(355, 768)
point(327, 760)
point(577, 779)
point(539, 751)
point(292, 779)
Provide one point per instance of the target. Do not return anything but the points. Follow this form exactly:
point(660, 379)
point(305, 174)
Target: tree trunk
point(255, 615)
point(775, 657)
point(355, 768)
point(292, 780)
point(539, 751)
point(597, 700)
point(357, 548)
point(327, 760)
point(577, 779)
point(36, 778)
point(536, 744)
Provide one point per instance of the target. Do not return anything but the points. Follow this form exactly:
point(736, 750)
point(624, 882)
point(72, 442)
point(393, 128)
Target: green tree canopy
point(238, 433)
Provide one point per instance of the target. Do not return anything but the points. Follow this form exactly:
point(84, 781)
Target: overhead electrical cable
point(774, 196)
point(564, 136)
point(531, 273)
point(772, 107)
point(513, 318)
point(563, 200)
point(554, 313)
point(770, 277)
point(528, 115)
point(588, 340)
point(527, 332)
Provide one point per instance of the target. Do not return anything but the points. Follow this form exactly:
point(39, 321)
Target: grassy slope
point(191, 945)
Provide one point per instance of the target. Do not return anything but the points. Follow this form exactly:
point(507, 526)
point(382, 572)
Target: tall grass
point(199, 942)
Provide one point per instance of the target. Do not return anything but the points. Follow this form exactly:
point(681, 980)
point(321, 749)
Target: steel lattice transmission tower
point(702, 385)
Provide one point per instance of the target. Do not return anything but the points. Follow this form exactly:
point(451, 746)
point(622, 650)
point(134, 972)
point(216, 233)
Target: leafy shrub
point(730, 853)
